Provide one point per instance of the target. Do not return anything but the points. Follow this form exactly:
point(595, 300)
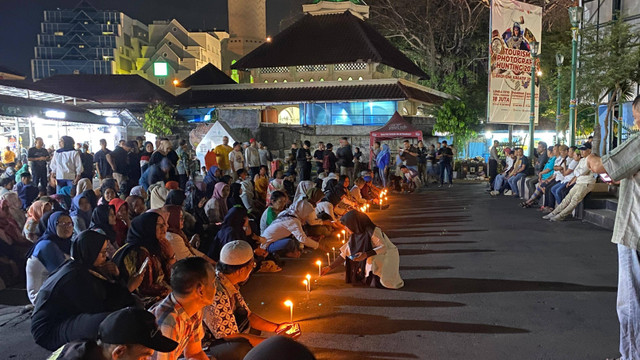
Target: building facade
point(84, 40)
point(174, 53)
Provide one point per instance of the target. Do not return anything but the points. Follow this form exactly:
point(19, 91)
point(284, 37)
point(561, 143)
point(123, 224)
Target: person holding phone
point(623, 164)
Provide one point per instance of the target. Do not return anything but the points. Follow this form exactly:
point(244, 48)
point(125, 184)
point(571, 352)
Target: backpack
point(326, 163)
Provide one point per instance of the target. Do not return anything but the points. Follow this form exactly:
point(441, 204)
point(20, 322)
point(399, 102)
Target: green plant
point(459, 120)
point(159, 119)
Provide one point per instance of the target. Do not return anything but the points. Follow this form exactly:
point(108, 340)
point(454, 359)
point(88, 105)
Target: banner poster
point(514, 25)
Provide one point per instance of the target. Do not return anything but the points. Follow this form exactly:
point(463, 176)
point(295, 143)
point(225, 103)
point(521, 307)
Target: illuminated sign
point(160, 69)
point(55, 114)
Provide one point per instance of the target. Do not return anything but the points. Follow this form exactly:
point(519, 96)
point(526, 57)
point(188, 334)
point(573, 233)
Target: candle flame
point(318, 262)
point(288, 303)
point(308, 277)
point(305, 281)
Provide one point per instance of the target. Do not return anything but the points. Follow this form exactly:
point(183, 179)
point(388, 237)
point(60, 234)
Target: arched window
point(339, 79)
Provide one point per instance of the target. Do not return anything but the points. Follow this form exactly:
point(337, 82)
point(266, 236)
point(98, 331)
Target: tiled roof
point(328, 39)
point(309, 92)
point(17, 106)
point(207, 75)
point(106, 88)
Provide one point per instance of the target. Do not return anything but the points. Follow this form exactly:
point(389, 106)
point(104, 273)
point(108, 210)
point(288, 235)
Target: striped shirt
point(175, 324)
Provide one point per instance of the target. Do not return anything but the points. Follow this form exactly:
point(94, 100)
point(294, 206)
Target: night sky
point(20, 20)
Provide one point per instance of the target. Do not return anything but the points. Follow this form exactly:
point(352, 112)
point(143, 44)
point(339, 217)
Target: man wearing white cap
point(229, 318)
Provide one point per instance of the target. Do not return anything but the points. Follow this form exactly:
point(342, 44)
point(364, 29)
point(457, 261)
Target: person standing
point(445, 158)
point(493, 163)
point(410, 155)
point(374, 155)
point(66, 165)
point(329, 159)
point(345, 158)
point(184, 163)
point(88, 170)
point(294, 153)
point(303, 159)
point(252, 157)
point(134, 171)
point(222, 156)
point(318, 157)
point(236, 160)
point(265, 155)
point(383, 160)
point(38, 156)
point(623, 164)
point(118, 159)
point(422, 152)
point(100, 158)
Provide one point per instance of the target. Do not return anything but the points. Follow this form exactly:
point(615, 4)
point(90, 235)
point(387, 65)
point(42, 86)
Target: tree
point(609, 66)
point(456, 118)
point(159, 119)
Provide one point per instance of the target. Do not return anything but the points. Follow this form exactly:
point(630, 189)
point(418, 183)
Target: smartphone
point(143, 266)
point(605, 177)
point(292, 331)
point(351, 257)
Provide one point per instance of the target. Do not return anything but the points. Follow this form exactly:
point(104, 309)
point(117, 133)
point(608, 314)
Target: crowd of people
point(555, 182)
point(154, 234)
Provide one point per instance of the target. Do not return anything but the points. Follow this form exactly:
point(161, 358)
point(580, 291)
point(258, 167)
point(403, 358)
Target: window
point(161, 81)
point(58, 33)
point(350, 113)
point(81, 46)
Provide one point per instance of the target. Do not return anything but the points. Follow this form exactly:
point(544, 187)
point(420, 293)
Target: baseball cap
point(507, 150)
point(237, 252)
point(134, 326)
point(585, 146)
point(252, 140)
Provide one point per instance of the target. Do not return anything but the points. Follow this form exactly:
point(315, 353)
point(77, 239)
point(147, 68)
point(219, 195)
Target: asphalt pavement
point(484, 279)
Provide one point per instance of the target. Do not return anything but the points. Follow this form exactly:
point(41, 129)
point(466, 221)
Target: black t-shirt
point(319, 155)
point(133, 170)
point(38, 165)
point(410, 159)
point(302, 156)
point(87, 165)
point(445, 151)
point(100, 158)
point(345, 156)
point(119, 157)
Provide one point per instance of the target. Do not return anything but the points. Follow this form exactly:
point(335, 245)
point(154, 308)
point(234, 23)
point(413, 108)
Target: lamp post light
point(575, 16)
point(535, 47)
point(559, 62)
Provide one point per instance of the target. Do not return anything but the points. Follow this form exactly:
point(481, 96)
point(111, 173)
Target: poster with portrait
point(514, 25)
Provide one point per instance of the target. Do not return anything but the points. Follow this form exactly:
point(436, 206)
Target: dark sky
point(20, 20)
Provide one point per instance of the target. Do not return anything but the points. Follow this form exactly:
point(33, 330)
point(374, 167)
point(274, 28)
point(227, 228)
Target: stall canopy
point(396, 128)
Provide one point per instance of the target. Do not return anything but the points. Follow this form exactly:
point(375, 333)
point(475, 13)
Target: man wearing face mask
point(229, 318)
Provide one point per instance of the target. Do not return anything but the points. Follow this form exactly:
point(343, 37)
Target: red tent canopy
point(396, 128)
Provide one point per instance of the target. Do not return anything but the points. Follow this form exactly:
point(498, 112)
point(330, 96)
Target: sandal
point(269, 267)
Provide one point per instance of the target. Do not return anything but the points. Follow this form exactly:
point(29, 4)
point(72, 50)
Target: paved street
point(484, 279)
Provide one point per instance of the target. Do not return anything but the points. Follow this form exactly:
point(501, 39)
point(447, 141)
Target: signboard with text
point(514, 25)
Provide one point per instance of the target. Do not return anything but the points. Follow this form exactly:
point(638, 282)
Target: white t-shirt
point(559, 162)
point(572, 166)
point(237, 159)
point(584, 174)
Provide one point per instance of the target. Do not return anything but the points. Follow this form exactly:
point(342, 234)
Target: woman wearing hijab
point(145, 156)
point(146, 239)
point(194, 205)
point(216, 208)
point(122, 223)
point(261, 184)
point(108, 190)
point(234, 227)
point(103, 220)
point(211, 179)
point(234, 200)
point(136, 206)
point(177, 238)
point(382, 161)
point(277, 184)
point(158, 195)
point(76, 298)
point(14, 206)
point(51, 250)
point(66, 163)
point(84, 185)
point(301, 191)
point(176, 197)
point(80, 213)
point(139, 191)
point(34, 214)
point(370, 256)
point(279, 347)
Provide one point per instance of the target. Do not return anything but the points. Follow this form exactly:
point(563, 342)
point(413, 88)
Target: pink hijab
point(217, 194)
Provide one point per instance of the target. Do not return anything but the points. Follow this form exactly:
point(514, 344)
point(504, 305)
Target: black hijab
point(86, 247)
point(175, 197)
point(279, 347)
point(362, 229)
point(333, 192)
point(142, 232)
point(234, 196)
point(68, 144)
point(91, 196)
point(50, 233)
point(231, 230)
point(107, 184)
point(100, 220)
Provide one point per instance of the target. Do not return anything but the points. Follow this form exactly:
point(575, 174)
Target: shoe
point(554, 219)
point(547, 217)
point(494, 193)
point(508, 193)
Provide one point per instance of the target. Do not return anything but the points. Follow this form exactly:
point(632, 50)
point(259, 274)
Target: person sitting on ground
point(51, 251)
point(261, 185)
point(301, 191)
point(27, 191)
point(278, 202)
point(217, 208)
point(179, 314)
point(410, 179)
point(211, 179)
point(581, 184)
point(6, 185)
point(235, 199)
point(158, 193)
point(136, 206)
point(80, 213)
point(279, 347)
point(108, 191)
point(76, 298)
point(14, 206)
point(126, 334)
point(34, 214)
point(369, 256)
point(103, 220)
point(235, 227)
point(356, 191)
point(123, 222)
point(289, 184)
point(277, 184)
point(177, 238)
point(544, 178)
point(146, 239)
point(156, 173)
point(229, 317)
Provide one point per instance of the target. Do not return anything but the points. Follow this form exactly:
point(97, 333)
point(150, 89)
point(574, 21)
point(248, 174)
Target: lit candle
point(306, 284)
point(333, 251)
point(386, 198)
point(308, 280)
point(328, 259)
point(338, 236)
point(289, 304)
point(319, 263)
point(343, 233)
point(342, 242)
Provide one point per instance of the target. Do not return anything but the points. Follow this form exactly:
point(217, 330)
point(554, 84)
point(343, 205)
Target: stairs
point(599, 209)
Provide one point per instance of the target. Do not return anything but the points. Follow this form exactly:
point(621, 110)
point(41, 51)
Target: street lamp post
point(575, 16)
point(535, 46)
point(559, 62)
